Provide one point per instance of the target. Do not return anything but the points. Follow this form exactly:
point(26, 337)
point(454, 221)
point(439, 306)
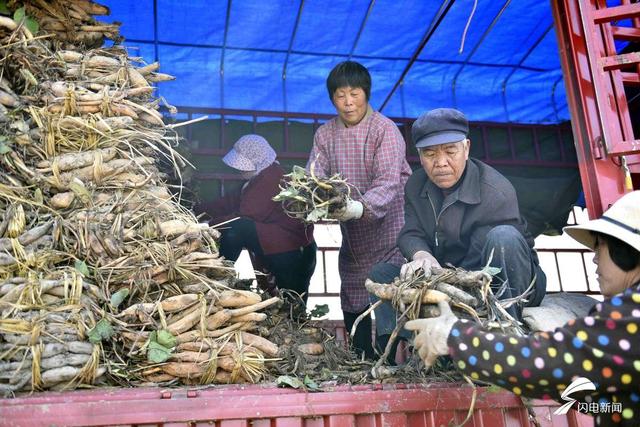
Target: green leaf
point(298, 173)
point(326, 374)
point(82, 268)
point(4, 10)
point(19, 15)
point(161, 344)
point(32, 25)
point(157, 353)
point(493, 389)
point(317, 214)
point(310, 384)
point(287, 381)
point(166, 339)
point(78, 188)
point(493, 271)
point(319, 310)
point(4, 148)
point(118, 297)
point(287, 193)
point(102, 331)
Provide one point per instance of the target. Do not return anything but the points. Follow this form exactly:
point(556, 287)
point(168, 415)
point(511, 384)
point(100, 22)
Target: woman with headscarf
point(597, 349)
point(366, 149)
point(277, 243)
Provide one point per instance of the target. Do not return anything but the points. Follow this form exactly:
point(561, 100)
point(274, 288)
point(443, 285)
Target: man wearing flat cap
point(462, 212)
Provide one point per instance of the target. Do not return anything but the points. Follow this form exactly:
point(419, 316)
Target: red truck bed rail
point(265, 405)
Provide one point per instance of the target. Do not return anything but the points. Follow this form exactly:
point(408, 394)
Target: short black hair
point(625, 256)
point(349, 73)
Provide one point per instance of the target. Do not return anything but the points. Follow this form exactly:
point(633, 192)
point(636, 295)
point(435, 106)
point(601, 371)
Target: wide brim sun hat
point(621, 220)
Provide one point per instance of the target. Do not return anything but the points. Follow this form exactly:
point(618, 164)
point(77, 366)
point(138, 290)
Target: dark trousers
point(361, 341)
point(362, 338)
point(518, 267)
point(292, 270)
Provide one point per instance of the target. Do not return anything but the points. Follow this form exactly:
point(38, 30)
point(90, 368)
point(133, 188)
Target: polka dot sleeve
point(601, 347)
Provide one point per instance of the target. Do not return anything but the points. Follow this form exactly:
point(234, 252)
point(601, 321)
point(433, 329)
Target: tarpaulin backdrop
point(274, 55)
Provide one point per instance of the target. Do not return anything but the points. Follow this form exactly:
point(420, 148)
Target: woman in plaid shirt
point(366, 149)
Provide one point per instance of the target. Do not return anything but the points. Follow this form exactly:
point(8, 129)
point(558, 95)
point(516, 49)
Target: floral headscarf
point(250, 153)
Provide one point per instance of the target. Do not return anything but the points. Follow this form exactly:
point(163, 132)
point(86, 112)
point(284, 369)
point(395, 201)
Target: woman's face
point(351, 104)
point(612, 279)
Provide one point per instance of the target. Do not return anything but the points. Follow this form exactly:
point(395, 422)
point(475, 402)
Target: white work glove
point(352, 210)
point(431, 340)
point(422, 260)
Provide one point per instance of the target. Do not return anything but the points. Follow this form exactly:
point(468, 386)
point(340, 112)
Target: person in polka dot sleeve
point(598, 347)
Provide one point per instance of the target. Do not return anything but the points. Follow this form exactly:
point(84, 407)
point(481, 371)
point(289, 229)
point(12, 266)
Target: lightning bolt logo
point(579, 384)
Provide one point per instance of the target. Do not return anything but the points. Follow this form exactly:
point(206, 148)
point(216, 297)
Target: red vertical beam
point(612, 72)
point(635, 32)
point(612, 100)
point(602, 179)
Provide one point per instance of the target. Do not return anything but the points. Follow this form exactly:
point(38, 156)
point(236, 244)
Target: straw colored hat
point(250, 153)
point(621, 221)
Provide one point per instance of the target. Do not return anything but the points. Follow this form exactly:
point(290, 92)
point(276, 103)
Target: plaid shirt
point(371, 157)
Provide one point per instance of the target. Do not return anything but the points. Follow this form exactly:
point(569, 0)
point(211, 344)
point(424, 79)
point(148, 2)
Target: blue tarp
point(275, 55)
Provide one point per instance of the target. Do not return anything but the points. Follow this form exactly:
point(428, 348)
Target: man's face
point(351, 104)
point(445, 163)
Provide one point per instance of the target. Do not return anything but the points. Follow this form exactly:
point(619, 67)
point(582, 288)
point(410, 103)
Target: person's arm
point(387, 175)
point(319, 164)
point(221, 209)
point(597, 347)
point(257, 200)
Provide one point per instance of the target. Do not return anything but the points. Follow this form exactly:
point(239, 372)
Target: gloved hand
point(353, 210)
point(431, 340)
point(422, 260)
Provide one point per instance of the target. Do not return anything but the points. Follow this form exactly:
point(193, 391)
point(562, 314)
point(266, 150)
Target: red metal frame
point(404, 124)
point(607, 77)
point(595, 77)
point(258, 405)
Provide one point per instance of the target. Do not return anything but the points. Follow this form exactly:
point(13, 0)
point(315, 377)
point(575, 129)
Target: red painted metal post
point(605, 67)
point(595, 93)
point(413, 405)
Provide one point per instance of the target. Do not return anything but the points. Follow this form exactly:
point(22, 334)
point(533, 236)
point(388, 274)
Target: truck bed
point(266, 405)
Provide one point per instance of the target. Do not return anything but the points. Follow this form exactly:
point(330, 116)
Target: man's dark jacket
point(457, 232)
